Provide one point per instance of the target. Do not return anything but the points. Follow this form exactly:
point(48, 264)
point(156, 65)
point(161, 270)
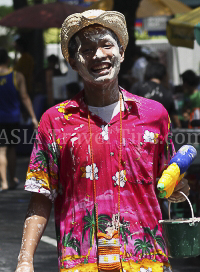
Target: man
point(12, 89)
point(97, 157)
point(156, 87)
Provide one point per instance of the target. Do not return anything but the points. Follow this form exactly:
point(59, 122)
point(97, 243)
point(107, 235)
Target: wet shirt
point(61, 168)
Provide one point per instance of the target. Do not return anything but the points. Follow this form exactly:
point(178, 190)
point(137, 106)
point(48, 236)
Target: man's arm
point(35, 223)
point(25, 97)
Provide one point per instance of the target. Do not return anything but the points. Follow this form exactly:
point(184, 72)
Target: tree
point(43, 157)
point(72, 242)
point(90, 224)
point(124, 231)
point(157, 238)
point(143, 245)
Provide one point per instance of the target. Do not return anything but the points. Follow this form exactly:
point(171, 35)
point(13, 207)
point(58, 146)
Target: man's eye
point(107, 45)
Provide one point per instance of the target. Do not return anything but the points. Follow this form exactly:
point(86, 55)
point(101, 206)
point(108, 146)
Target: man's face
point(98, 55)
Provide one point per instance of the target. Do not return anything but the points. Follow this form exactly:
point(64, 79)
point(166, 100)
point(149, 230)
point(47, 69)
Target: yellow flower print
point(61, 107)
point(83, 169)
point(58, 142)
point(155, 138)
point(66, 116)
point(39, 175)
point(169, 122)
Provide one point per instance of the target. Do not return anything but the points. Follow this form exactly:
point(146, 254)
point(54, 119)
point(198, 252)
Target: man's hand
point(25, 267)
point(183, 187)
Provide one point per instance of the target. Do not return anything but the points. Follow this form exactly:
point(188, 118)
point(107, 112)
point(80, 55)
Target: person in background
point(191, 98)
point(44, 80)
point(12, 89)
point(97, 157)
point(143, 56)
point(50, 72)
point(25, 64)
point(155, 87)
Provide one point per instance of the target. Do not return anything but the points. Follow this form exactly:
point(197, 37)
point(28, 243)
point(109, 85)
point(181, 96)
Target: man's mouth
point(101, 68)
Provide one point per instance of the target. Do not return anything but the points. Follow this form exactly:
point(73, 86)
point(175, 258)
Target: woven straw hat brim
point(110, 19)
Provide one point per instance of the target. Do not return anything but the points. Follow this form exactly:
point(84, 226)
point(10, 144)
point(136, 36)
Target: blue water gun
point(176, 170)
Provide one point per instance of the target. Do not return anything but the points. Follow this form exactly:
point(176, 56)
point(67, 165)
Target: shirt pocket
point(137, 159)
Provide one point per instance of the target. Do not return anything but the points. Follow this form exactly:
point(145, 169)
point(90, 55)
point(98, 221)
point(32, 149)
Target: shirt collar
point(78, 104)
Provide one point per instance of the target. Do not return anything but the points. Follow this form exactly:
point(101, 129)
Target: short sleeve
point(42, 175)
point(166, 146)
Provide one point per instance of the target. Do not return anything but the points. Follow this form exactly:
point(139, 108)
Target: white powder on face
point(82, 60)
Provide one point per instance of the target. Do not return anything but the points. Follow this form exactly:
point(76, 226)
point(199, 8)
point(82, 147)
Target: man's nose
point(99, 53)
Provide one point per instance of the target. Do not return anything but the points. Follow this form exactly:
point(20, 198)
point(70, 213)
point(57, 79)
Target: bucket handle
point(169, 206)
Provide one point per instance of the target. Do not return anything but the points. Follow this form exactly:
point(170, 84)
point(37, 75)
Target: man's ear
point(72, 63)
point(121, 50)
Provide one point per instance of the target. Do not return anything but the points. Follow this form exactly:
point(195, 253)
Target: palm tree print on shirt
point(41, 157)
point(123, 232)
point(157, 238)
point(90, 224)
point(71, 242)
point(143, 245)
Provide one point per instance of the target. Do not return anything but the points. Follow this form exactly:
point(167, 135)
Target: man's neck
point(101, 95)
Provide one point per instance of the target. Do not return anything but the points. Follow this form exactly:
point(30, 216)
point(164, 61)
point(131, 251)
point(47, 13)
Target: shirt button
point(111, 153)
point(109, 125)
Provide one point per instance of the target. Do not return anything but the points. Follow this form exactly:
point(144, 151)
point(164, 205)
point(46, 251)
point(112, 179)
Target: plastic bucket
point(182, 236)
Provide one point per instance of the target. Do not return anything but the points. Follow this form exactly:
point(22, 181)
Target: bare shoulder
point(19, 76)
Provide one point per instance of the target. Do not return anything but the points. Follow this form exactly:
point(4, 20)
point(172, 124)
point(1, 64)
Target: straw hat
point(111, 19)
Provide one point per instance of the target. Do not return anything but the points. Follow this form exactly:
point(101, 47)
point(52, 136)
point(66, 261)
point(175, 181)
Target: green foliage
point(31, 2)
point(52, 35)
point(90, 224)
point(4, 10)
point(72, 242)
point(142, 245)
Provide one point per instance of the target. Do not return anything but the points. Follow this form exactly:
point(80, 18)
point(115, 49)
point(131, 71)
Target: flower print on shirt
point(123, 178)
point(150, 137)
point(87, 172)
point(104, 132)
point(61, 108)
point(67, 115)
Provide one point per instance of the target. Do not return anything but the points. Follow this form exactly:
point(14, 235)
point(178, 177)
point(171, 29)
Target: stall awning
point(180, 31)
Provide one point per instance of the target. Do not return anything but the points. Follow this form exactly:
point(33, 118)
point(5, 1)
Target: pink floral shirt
point(61, 168)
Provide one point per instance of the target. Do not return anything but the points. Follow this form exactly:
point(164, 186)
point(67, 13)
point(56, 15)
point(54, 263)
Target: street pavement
point(13, 206)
